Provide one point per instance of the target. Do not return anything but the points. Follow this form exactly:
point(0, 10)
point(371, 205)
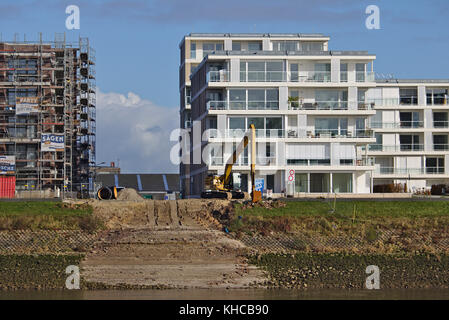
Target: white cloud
point(136, 131)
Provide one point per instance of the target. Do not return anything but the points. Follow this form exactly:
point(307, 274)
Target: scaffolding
point(47, 112)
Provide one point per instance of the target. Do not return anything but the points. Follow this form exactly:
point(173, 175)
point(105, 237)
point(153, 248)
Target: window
point(273, 127)
point(312, 46)
point(440, 142)
point(261, 71)
point(331, 126)
point(322, 72)
point(211, 47)
point(237, 123)
point(440, 120)
point(342, 182)
point(435, 165)
point(258, 99)
point(301, 182)
point(331, 99)
point(344, 72)
point(408, 96)
point(437, 96)
point(409, 142)
point(360, 69)
point(237, 99)
point(193, 50)
point(254, 46)
point(236, 46)
point(287, 45)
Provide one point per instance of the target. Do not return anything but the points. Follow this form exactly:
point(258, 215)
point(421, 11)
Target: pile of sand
point(129, 194)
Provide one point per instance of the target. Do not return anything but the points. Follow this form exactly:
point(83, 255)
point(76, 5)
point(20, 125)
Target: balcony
point(409, 171)
point(293, 134)
point(396, 148)
point(365, 76)
point(396, 125)
point(440, 124)
point(217, 76)
point(243, 105)
point(319, 105)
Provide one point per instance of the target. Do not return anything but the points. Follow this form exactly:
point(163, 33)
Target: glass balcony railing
point(408, 171)
point(217, 76)
point(396, 125)
point(293, 134)
point(319, 105)
point(395, 148)
point(440, 124)
point(243, 105)
point(365, 76)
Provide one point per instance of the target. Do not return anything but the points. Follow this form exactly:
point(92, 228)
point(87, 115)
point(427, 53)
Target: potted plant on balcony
point(293, 102)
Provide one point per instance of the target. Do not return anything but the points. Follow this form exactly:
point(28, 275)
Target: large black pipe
point(105, 193)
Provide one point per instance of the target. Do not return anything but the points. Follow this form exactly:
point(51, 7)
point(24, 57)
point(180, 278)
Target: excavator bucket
point(256, 196)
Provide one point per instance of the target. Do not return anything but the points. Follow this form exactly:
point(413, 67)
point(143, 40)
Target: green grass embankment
point(37, 215)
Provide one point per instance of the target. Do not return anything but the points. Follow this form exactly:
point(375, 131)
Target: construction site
point(47, 117)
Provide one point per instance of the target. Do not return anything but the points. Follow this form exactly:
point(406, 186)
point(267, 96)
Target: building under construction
point(47, 114)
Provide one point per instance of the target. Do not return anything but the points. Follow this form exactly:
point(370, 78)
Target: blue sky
point(137, 45)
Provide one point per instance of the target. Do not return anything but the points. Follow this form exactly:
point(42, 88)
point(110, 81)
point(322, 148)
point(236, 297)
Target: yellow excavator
point(221, 186)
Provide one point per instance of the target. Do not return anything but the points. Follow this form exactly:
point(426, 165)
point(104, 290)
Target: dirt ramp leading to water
point(162, 213)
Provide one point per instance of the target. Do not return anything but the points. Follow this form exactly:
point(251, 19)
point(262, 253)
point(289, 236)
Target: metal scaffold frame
point(60, 78)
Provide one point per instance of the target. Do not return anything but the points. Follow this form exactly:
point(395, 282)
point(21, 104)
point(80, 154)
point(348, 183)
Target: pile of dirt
point(129, 194)
point(267, 204)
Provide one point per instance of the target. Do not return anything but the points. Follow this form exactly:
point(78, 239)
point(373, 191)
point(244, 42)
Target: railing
point(319, 105)
point(395, 148)
point(396, 125)
point(217, 76)
point(441, 147)
point(365, 76)
point(310, 76)
point(341, 133)
point(263, 76)
point(440, 124)
point(408, 171)
point(243, 105)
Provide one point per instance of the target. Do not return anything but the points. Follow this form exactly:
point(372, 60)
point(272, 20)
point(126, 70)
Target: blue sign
point(259, 183)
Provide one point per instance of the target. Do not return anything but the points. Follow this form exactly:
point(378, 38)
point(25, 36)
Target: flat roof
point(259, 35)
point(291, 53)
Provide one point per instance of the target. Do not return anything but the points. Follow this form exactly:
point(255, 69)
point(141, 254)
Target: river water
point(222, 294)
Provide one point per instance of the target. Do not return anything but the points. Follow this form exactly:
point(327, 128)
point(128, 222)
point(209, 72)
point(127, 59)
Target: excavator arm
point(256, 195)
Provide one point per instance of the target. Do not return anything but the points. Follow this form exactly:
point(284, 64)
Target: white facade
point(318, 113)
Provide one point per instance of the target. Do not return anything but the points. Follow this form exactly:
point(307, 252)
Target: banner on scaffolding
point(52, 142)
point(27, 105)
point(7, 164)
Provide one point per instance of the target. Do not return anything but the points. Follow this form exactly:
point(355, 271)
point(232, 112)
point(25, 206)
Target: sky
point(137, 52)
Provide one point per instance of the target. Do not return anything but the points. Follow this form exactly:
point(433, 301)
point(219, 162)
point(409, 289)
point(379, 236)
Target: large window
point(311, 46)
point(287, 45)
point(332, 99)
point(211, 47)
point(237, 99)
point(254, 99)
point(301, 182)
point(435, 165)
point(265, 126)
point(262, 71)
point(331, 126)
point(322, 72)
point(342, 182)
point(437, 96)
point(408, 96)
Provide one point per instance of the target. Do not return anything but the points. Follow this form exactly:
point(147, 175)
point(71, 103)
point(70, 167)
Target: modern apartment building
point(47, 114)
point(324, 123)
